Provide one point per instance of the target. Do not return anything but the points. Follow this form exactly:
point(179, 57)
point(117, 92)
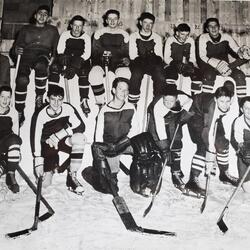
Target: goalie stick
point(125, 214)
point(221, 224)
point(36, 217)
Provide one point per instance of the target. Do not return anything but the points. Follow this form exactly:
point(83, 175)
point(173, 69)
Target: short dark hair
point(5, 88)
point(76, 18)
point(119, 79)
point(55, 90)
point(144, 15)
point(183, 27)
point(243, 100)
point(43, 7)
point(209, 20)
point(105, 16)
point(223, 91)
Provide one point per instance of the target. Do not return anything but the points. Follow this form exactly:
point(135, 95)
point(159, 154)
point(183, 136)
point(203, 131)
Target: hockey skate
point(85, 107)
point(11, 182)
point(193, 186)
point(177, 181)
point(226, 178)
point(73, 184)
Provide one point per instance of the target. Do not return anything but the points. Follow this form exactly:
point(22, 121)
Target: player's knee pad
point(22, 81)
point(96, 75)
point(123, 72)
point(13, 139)
point(77, 139)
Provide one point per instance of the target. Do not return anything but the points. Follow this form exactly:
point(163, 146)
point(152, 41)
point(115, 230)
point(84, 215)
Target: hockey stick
point(66, 84)
point(160, 178)
point(34, 189)
point(125, 214)
point(107, 86)
point(124, 169)
point(204, 203)
point(144, 121)
point(36, 217)
point(221, 224)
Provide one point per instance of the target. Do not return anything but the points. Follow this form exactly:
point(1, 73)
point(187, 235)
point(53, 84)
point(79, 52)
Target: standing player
point(10, 142)
point(57, 127)
point(74, 50)
point(145, 51)
point(36, 43)
point(179, 55)
point(109, 47)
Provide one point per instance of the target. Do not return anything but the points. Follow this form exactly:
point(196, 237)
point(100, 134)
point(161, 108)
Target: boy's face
point(223, 103)
point(246, 110)
point(41, 17)
point(182, 36)
point(112, 20)
point(213, 29)
point(55, 102)
point(121, 91)
point(147, 25)
point(169, 101)
point(77, 28)
point(5, 98)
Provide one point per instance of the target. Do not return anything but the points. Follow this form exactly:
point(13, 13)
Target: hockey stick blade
point(204, 203)
point(129, 221)
point(222, 226)
point(19, 233)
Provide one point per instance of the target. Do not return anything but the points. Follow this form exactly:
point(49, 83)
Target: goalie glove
point(223, 68)
point(244, 52)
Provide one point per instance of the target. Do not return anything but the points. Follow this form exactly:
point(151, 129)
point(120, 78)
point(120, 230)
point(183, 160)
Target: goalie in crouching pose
point(57, 127)
point(116, 134)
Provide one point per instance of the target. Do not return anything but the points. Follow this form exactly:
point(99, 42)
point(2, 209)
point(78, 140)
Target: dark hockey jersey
point(175, 51)
point(74, 46)
point(107, 39)
point(33, 38)
point(9, 123)
point(115, 124)
point(212, 52)
point(43, 125)
point(138, 46)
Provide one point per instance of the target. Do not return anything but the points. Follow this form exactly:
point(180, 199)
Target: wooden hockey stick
point(160, 178)
point(144, 120)
point(67, 93)
point(36, 217)
point(221, 224)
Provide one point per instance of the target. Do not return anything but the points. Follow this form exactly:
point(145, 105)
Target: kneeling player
point(57, 127)
point(9, 140)
point(240, 139)
point(165, 114)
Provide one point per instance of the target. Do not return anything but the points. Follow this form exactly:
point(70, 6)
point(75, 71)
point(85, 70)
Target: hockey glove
point(38, 166)
point(69, 73)
point(223, 68)
point(54, 139)
point(244, 152)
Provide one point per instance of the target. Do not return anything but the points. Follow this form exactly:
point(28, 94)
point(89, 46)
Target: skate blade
point(76, 192)
point(190, 193)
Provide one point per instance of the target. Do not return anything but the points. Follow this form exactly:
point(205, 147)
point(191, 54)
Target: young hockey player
point(74, 50)
point(165, 113)
point(240, 139)
point(36, 43)
point(213, 52)
point(207, 130)
point(57, 127)
point(109, 49)
point(145, 51)
point(10, 142)
point(116, 123)
point(179, 55)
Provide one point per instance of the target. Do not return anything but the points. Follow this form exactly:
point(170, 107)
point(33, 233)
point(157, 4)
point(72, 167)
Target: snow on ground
point(92, 222)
